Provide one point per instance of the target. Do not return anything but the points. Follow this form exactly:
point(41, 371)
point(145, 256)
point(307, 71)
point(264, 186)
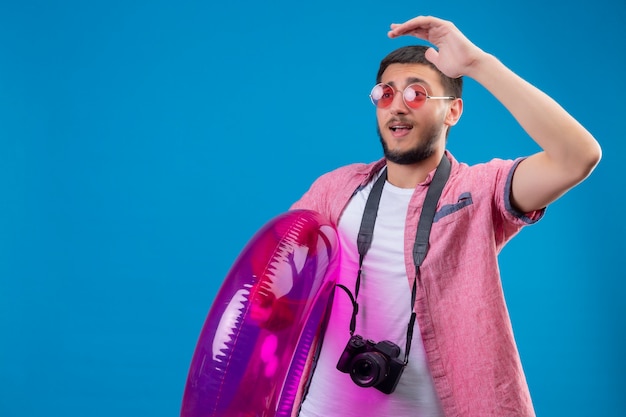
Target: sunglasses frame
point(395, 91)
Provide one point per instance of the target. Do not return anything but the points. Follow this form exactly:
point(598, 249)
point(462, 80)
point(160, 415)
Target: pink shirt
point(460, 306)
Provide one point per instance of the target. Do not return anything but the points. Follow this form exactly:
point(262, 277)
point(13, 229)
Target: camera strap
point(420, 247)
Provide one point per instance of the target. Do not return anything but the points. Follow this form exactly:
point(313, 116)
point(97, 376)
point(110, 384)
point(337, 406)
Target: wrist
point(482, 66)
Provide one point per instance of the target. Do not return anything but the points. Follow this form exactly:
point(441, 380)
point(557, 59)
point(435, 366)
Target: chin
point(422, 150)
point(408, 156)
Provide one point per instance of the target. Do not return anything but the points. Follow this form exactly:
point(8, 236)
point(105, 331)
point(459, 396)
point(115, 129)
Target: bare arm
point(569, 152)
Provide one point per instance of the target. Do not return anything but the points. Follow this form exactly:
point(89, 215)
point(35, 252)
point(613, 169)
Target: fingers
point(419, 26)
point(452, 53)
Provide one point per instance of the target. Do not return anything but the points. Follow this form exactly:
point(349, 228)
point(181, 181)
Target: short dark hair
point(415, 54)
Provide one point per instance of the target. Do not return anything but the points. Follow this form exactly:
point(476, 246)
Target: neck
point(408, 176)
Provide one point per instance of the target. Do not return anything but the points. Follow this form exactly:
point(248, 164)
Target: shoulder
point(495, 174)
point(348, 174)
point(493, 167)
point(331, 190)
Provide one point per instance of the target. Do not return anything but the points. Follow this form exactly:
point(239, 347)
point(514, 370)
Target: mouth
point(399, 129)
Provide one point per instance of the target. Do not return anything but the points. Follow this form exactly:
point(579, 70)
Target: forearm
point(565, 141)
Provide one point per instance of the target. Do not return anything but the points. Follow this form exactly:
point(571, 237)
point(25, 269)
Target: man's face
point(412, 135)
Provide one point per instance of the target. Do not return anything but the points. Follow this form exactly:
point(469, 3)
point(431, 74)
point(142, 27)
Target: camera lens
point(368, 369)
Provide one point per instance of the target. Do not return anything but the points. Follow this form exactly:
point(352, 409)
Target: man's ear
point(454, 112)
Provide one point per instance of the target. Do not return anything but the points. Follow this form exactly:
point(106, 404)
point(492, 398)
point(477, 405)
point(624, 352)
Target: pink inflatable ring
point(263, 328)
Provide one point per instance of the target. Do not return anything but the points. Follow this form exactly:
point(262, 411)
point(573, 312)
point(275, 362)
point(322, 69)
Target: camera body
point(372, 364)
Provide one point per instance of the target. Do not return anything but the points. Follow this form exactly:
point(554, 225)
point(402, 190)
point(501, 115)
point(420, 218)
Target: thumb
point(432, 55)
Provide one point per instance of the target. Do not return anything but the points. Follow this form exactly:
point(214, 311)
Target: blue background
point(143, 143)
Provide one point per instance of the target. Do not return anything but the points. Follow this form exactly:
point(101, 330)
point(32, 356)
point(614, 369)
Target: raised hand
point(455, 54)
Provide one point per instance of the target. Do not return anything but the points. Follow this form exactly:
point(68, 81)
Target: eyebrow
point(412, 80)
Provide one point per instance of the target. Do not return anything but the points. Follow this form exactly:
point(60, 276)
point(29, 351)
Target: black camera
point(372, 364)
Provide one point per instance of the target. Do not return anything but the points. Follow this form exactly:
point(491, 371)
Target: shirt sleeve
point(527, 218)
point(508, 220)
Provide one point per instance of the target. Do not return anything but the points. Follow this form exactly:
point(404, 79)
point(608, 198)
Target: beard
point(424, 149)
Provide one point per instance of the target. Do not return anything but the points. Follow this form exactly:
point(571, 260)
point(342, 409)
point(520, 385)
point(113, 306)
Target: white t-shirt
point(384, 312)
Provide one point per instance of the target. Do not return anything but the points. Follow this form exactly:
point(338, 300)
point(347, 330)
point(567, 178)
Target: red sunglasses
point(414, 96)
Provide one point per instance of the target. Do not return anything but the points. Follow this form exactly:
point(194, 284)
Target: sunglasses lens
point(415, 95)
point(381, 95)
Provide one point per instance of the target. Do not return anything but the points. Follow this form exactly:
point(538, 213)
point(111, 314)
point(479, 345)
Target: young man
point(463, 360)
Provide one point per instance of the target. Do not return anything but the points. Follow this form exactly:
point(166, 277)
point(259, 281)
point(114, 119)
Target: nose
point(398, 106)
